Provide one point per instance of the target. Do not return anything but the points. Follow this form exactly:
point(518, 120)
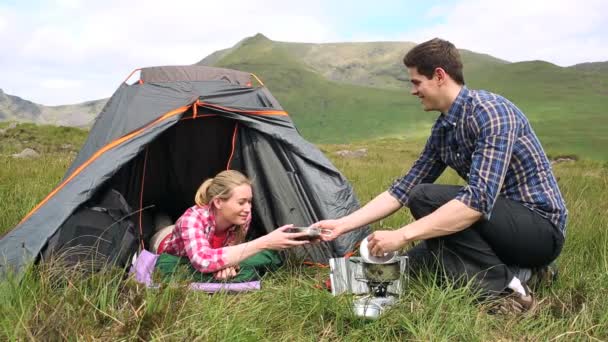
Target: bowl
point(312, 232)
point(367, 257)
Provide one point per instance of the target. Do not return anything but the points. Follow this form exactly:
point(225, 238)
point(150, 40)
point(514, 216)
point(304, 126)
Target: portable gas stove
point(376, 286)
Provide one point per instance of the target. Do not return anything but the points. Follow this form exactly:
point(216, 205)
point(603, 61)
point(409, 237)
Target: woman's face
point(237, 208)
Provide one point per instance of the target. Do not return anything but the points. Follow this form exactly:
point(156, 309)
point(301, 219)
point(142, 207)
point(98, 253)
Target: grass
point(55, 303)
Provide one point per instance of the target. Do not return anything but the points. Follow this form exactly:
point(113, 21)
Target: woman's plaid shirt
point(488, 141)
point(191, 238)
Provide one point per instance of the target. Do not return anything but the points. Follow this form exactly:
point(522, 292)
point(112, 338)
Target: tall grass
point(54, 303)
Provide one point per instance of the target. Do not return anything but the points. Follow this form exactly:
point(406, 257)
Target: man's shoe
point(514, 303)
point(543, 276)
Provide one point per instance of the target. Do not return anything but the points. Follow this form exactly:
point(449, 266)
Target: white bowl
point(367, 257)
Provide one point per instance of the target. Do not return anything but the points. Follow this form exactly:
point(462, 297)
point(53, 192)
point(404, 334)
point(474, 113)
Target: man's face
point(427, 90)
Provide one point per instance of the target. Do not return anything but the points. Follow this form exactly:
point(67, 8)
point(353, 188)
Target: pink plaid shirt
point(191, 237)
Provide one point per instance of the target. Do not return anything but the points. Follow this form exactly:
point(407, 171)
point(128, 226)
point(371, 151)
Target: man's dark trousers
point(488, 251)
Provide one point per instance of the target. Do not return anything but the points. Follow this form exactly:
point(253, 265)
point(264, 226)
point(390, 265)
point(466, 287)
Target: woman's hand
point(226, 273)
point(330, 229)
point(281, 239)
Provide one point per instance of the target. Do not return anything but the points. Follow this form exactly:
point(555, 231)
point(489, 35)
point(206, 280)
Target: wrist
point(343, 225)
point(261, 243)
point(405, 235)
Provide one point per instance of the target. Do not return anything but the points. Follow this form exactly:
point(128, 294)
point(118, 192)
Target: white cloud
point(60, 84)
point(6, 19)
point(3, 23)
point(104, 41)
point(97, 44)
point(563, 32)
point(68, 3)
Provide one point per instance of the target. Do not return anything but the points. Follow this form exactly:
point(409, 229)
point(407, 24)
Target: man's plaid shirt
point(191, 238)
point(488, 141)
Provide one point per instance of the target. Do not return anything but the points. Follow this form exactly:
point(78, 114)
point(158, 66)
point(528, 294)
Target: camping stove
point(375, 302)
point(376, 286)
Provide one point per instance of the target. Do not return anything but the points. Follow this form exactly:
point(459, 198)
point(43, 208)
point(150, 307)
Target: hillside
point(14, 108)
point(373, 64)
point(340, 106)
point(344, 92)
point(591, 67)
point(324, 111)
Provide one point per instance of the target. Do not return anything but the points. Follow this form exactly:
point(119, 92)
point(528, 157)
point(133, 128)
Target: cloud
point(60, 84)
point(563, 32)
point(105, 41)
point(97, 44)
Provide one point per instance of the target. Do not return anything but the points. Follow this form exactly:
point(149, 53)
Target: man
point(509, 216)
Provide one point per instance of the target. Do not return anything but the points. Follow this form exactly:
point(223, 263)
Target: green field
point(58, 304)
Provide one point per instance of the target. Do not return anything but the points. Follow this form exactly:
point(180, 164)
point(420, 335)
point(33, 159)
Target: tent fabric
point(293, 181)
point(194, 73)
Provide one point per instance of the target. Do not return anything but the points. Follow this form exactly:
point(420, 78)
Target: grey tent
point(158, 138)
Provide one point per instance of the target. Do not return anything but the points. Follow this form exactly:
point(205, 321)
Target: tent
point(157, 139)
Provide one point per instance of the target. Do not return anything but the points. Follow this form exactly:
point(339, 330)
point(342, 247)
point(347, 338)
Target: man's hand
point(384, 241)
point(330, 229)
point(226, 273)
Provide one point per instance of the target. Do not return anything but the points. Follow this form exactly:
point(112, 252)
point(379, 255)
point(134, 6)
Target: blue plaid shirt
point(488, 141)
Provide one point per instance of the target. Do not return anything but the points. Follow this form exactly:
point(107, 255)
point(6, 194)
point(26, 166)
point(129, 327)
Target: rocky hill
point(14, 108)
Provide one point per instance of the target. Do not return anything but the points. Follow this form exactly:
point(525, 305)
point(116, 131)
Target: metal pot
point(367, 309)
point(372, 307)
point(382, 272)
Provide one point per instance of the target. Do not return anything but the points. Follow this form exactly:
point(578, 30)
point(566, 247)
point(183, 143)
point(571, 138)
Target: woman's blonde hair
point(221, 187)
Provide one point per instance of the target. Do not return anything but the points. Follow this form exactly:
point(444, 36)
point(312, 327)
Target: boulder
point(359, 153)
point(26, 154)
point(11, 126)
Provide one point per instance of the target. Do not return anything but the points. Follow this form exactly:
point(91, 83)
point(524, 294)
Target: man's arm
point(450, 218)
point(378, 208)
point(490, 161)
point(426, 169)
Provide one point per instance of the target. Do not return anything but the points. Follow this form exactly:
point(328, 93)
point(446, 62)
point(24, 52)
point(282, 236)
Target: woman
point(211, 234)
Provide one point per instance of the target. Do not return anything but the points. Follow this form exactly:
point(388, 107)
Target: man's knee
point(425, 198)
point(418, 192)
point(433, 193)
point(419, 201)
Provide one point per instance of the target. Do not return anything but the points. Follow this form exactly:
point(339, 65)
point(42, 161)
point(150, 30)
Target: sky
point(69, 51)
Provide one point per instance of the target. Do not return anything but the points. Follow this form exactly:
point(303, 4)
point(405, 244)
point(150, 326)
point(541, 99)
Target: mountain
point(592, 67)
point(373, 64)
point(343, 92)
point(340, 92)
point(15, 108)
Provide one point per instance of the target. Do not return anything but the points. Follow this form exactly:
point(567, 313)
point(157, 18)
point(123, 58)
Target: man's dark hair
point(435, 53)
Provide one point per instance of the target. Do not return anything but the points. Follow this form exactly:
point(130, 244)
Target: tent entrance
point(165, 176)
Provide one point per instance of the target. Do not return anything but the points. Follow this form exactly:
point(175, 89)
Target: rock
point(563, 160)
point(362, 152)
point(26, 154)
point(11, 126)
